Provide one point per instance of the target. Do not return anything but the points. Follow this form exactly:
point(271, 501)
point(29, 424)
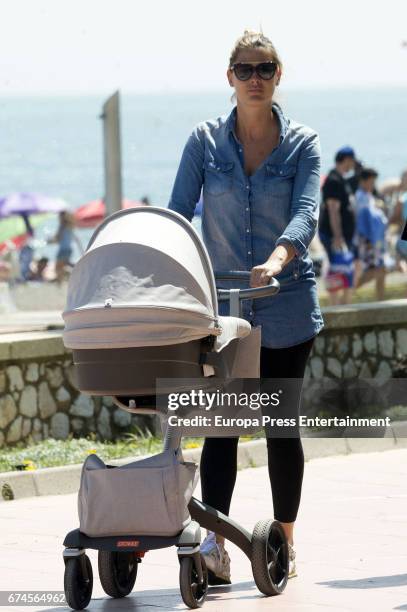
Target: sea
point(53, 145)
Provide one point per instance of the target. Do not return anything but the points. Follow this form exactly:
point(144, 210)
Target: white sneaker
point(292, 569)
point(217, 560)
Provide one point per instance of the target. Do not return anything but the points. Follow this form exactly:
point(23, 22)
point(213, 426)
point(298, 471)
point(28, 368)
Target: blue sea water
point(54, 145)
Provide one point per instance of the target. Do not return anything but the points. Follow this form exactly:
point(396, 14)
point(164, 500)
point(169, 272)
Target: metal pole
point(112, 153)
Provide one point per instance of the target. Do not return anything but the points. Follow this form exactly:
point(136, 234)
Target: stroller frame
point(266, 547)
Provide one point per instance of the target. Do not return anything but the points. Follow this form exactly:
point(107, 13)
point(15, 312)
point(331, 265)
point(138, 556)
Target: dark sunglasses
point(244, 72)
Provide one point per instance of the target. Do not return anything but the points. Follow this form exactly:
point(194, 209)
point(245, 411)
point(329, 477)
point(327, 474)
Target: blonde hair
point(66, 219)
point(254, 40)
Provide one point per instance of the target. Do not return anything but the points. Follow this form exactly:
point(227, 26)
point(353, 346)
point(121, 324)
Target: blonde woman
point(260, 177)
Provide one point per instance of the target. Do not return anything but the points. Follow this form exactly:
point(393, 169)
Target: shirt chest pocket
point(279, 179)
point(218, 177)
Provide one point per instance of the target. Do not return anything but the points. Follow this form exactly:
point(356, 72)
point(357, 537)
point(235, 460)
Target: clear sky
point(96, 46)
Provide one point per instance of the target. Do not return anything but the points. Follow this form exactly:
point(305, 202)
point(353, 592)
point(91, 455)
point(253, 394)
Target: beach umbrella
point(93, 213)
point(30, 204)
point(90, 214)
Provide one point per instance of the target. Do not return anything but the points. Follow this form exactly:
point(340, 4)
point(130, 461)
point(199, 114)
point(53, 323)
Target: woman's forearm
point(304, 211)
point(283, 253)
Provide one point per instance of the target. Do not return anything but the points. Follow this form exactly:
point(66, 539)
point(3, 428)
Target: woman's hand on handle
point(261, 275)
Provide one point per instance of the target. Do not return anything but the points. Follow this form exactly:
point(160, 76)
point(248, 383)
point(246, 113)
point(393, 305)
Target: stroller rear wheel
point(193, 593)
point(269, 557)
point(117, 572)
point(77, 585)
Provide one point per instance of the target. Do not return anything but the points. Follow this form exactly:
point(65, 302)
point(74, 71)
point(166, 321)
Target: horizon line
point(179, 92)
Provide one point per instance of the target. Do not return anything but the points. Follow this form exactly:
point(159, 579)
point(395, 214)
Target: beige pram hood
point(145, 280)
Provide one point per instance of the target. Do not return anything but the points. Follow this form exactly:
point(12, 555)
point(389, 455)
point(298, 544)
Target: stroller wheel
point(193, 593)
point(269, 557)
point(78, 589)
point(117, 572)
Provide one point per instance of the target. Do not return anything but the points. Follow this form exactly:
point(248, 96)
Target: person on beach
point(260, 174)
point(38, 270)
point(64, 237)
point(399, 218)
point(26, 253)
point(337, 221)
point(371, 225)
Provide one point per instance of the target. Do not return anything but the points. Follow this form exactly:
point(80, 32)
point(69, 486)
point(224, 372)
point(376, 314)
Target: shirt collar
point(231, 121)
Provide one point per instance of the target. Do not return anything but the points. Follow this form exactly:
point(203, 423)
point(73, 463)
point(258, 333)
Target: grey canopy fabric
point(145, 280)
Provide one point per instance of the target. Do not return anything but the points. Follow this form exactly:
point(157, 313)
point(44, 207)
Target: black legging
point(285, 455)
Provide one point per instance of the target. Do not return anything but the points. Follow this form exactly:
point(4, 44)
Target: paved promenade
point(351, 544)
point(25, 321)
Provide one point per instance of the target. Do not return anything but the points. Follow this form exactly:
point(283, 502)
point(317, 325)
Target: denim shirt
point(245, 217)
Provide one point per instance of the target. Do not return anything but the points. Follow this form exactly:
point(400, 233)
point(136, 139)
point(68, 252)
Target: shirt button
point(240, 150)
point(251, 313)
point(249, 252)
point(247, 186)
point(281, 172)
point(248, 231)
point(247, 210)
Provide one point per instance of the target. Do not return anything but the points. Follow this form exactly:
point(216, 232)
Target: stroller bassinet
point(142, 305)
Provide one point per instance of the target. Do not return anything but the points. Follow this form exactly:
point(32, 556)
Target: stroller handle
point(253, 293)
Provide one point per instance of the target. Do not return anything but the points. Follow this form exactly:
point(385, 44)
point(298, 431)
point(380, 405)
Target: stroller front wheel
point(193, 594)
point(269, 557)
point(78, 585)
point(117, 572)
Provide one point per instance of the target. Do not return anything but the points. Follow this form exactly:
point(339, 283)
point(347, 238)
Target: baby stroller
point(143, 305)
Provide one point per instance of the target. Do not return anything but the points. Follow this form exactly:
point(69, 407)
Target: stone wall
point(359, 343)
point(363, 341)
point(38, 396)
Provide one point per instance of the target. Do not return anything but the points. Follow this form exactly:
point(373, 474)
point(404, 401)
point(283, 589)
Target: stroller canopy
point(145, 280)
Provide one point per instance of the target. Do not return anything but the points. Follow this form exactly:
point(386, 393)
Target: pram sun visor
point(123, 327)
point(134, 326)
point(165, 231)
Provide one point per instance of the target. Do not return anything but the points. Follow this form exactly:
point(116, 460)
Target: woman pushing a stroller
point(259, 175)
